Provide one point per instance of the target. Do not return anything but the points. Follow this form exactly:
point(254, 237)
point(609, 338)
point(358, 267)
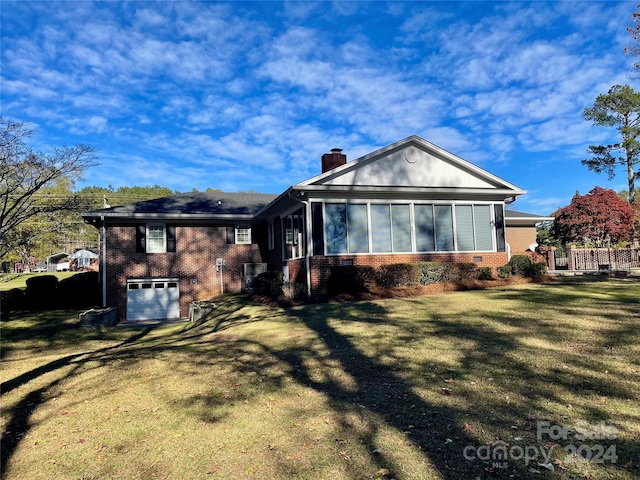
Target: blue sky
point(249, 95)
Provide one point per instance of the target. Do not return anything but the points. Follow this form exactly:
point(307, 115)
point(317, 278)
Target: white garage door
point(151, 298)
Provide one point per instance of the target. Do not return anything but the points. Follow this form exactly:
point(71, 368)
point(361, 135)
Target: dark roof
point(192, 203)
point(516, 214)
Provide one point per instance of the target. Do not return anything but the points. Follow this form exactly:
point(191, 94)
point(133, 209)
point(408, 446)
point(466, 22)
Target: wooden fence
point(593, 258)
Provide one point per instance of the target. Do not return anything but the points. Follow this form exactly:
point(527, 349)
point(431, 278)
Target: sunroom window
point(405, 228)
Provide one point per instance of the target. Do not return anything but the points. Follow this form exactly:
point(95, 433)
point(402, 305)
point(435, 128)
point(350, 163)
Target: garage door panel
point(152, 298)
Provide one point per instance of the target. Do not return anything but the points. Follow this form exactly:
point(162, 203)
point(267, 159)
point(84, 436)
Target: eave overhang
point(95, 218)
point(526, 221)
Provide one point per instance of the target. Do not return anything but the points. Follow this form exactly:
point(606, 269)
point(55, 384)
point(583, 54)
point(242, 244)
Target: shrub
point(461, 272)
point(80, 291)
point(398, 275)
point(538, 268)
point(294, 291)
point(41, 291)
point(431, 272)
point(504, 271)
point(14, 299)
point(269, 283)
point(351, 279)
point(434, 272)
point(42, 282)
point(520, 265)
point(485, 273)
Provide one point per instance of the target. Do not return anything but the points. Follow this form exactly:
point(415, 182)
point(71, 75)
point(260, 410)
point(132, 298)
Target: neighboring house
point(83, 261)
point(409, 201)
point(521, 230)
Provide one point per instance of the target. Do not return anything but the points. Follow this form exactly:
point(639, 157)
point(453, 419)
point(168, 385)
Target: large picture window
point(335, 228)
point(357, 228)
point(464, 228)
point(483, 227)
point(401, 228)
point(444, 228)
point(425, 241)
point(406, 228)
point(380, 228)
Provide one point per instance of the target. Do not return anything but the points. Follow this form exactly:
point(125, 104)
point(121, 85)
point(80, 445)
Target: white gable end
point(409, 167)
point(412, 163)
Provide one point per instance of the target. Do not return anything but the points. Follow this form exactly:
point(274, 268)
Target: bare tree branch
point(26, 175)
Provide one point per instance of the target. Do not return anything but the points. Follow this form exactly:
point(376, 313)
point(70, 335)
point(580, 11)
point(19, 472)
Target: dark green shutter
point(171, 238)
point(141, 241)
point(499, 222)
point(316, 219)
point(231, 235)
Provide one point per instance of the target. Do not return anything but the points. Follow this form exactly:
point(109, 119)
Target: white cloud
point(257, 91)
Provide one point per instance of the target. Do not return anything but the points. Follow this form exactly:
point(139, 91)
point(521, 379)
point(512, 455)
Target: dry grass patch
point(392, 388)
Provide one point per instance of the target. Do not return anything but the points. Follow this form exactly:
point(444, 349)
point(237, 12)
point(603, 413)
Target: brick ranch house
point(406, 202)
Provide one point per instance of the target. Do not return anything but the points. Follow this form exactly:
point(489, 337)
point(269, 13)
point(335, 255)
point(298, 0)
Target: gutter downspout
point(307, 256)
point(104, 262)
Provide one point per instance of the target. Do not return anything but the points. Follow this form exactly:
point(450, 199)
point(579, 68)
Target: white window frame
point(244, 229)
point(83, 262)
point(163, 248)
point(291, 237)
point(412, 204)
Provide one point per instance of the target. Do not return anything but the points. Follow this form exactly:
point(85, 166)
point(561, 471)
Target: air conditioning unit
point(250, 271)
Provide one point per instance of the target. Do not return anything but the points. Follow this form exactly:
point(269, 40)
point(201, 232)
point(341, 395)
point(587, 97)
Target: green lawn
point(9, 281)
point(414, 388)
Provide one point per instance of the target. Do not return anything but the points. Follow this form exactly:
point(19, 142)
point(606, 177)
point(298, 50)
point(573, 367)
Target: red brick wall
point(320, 266)
point(194, 260)
point(519, 238)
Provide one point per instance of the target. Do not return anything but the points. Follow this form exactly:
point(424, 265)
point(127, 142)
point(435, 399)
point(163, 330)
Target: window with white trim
point(293, 233)
point(156, 239)
point(407, 227)
point(243, 235)
point(83, 262)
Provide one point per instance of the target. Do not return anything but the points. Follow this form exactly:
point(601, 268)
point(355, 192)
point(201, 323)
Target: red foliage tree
point(600, 217)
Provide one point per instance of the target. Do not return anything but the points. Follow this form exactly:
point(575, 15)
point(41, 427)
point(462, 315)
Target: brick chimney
point(333, 160)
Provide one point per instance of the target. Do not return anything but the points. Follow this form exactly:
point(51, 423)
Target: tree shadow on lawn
point(19, 423)
point(60, 330)
point(382, 391)
point(387, 389)
point(502, 393)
